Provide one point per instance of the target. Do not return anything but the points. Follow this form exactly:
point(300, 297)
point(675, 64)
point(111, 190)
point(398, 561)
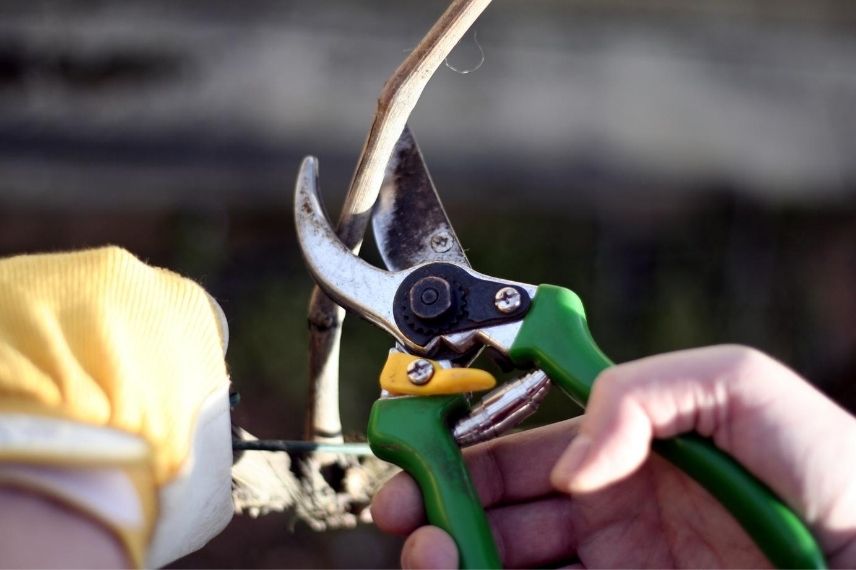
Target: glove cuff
point(106, 475)
point(111, 482)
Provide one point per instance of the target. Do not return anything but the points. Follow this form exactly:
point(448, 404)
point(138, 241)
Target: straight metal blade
point(409, 223)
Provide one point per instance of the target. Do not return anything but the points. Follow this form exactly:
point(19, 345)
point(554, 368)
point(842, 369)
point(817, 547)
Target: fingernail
point(566, 468)
point(444, 558)
point(429, 547)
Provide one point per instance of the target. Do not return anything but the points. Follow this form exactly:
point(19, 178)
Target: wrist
point(105, 475)
point(41, 533)
point(119, 500)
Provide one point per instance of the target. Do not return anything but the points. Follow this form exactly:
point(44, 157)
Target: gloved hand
point(114, 397)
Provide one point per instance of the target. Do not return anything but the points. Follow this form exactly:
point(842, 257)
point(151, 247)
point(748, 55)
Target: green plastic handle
point(555, 337)
point(414, 433)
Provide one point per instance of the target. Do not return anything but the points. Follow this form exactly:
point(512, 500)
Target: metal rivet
point(507, 300)
point(430, 297)
point(441, 242)
point(420, 371)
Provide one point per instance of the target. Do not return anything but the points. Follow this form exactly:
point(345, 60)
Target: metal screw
point(507, 300)
point(420, 371)
point(441, 241)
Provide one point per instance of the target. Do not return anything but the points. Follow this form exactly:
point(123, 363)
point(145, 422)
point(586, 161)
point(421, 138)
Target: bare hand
point(604, 501)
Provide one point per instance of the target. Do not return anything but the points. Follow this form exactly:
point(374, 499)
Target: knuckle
point(613, 388)
point(747, 362)
point(491, 489)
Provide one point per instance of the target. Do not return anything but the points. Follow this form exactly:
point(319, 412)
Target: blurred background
point(688, 168)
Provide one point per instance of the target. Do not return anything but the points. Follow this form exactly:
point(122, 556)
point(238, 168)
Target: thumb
point(631, 403)
point(774, 423)
point(716, 392)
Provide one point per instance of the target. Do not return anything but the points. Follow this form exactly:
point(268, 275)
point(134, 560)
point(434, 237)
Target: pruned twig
point(397, 99)
point(265, 481)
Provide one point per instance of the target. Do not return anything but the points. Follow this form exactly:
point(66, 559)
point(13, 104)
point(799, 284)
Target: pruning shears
point(442, 313)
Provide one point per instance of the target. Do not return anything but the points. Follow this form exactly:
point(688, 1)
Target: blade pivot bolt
point(430, 297)
point(420, 371)
point(507, 300)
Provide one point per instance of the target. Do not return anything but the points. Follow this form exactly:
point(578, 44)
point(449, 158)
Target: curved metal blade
point(347, 279)
point(370, 292)
point(409, 222)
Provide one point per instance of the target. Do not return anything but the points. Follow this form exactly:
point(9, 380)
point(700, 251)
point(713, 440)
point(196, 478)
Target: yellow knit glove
point(114, 396)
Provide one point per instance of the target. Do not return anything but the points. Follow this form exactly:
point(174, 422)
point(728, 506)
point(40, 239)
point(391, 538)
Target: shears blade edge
point(409, 222)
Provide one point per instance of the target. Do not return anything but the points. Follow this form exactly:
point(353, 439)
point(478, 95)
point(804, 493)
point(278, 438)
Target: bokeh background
point(689, 168)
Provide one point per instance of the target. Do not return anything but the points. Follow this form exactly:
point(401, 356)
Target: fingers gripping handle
point(414, 433)
point(555, 338)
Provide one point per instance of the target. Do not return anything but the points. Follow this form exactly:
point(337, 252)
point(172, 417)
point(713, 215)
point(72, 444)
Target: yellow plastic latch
point(439, 380)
